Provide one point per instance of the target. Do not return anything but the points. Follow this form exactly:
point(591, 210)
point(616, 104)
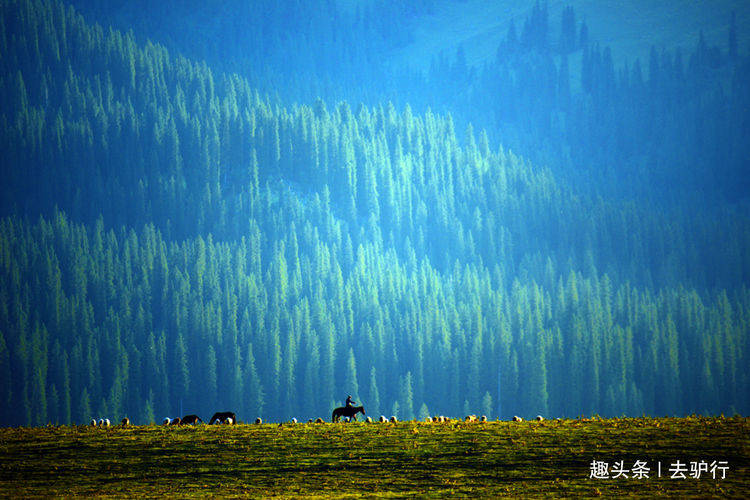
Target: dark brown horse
point(221, 416)
point(191, 419)
point(347, 411)
point(175, 421)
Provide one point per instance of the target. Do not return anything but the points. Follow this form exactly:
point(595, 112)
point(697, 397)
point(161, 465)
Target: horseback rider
point(349, 401)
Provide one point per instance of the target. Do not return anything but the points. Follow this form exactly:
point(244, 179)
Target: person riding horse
point(347, 412)
point(349, 401)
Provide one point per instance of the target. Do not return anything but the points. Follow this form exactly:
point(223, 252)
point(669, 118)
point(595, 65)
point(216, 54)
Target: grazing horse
point(347, 411)
point(191, 419)
point(221, 416)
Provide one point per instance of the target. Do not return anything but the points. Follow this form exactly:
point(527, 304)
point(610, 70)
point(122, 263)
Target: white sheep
point(428, 419)
point(229, 421)
point(539, 418)
point(106, 422)
point(294, 420)
point(93, 422)
point(516, 418)
point(394, 419)
point(483, 418)
point(470, 418)
point(125, 422)
point(166, 421)
point(368, 420)
point(383, 419)
point(101, 422)
point(258, 420)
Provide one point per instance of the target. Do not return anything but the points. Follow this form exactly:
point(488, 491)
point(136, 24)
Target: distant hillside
point(629, 28)
point(618, 99)
point(172, 238)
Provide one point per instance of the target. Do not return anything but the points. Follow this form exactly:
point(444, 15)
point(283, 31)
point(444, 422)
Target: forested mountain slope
point(172, 239)
point(629, 28)
point(634, 100)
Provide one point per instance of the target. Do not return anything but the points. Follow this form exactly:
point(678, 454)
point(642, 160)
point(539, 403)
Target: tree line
point(125, 323)
point(662, 129)
point(172, 238)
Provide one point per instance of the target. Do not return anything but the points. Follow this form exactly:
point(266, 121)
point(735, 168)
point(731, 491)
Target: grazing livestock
point(166, 421)
point(125, 422)
point(539, 418)
point(394, 419)
point(294, 420)
point(106, 422)
point(517, 419)
point(368, 420)
point(470, 418)
point(382, 419)
point(483, 418)
point(229, 421)
point(190, 420)
point(101, 422)
point(428, 419)
point(93, 422)
point(258, 420)
point(221, 416)
point(347, 411)
point(310, 421)
point(319, 420)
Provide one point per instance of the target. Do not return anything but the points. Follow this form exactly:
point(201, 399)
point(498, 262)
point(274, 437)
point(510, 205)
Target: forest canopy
point(174, 239)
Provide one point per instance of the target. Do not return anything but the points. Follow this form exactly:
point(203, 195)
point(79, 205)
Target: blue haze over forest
point(438, 207)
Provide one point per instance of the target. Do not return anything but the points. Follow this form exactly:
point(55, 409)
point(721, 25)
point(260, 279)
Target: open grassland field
point(480, 459)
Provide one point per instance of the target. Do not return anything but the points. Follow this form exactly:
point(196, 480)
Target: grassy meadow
point(409, 458)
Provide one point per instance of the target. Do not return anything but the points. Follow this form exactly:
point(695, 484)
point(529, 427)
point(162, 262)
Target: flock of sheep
point(104, 422)
point(228, 418)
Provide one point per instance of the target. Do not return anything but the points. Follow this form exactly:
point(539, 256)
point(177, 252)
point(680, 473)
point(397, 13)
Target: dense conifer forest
point(176, 238)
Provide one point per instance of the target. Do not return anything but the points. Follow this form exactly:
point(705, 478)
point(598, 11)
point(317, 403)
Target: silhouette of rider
point(349, 401)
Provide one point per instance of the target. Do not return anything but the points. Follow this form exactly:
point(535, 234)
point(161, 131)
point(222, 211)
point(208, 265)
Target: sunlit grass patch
point(409, 458)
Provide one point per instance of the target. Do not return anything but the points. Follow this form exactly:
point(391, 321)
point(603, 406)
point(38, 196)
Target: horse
point(191, 419)
point(347, 411)
point(221, 416)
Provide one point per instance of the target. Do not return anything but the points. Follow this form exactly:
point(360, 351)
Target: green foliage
point(171, 238)
point(225, 341)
